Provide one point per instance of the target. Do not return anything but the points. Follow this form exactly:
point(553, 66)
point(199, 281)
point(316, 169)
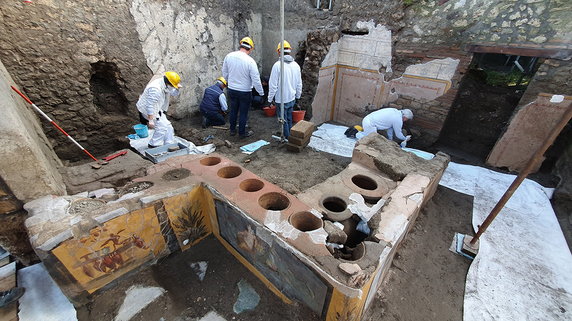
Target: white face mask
point(173, 91)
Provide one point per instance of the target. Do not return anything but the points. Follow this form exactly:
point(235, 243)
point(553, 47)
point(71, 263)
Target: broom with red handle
point(53, 123)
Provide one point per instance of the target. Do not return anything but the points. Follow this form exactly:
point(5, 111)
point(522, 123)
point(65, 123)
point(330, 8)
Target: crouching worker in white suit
point(153, 105)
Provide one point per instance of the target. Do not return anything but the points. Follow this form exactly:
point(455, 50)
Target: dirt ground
point(425, 282)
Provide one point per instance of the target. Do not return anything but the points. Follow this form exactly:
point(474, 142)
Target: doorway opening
point(487, 97)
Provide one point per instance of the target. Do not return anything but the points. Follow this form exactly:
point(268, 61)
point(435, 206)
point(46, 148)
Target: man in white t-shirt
point(241, 73)
point(292, 88)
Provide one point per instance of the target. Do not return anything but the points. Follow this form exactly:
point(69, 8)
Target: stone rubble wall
point(48, 48)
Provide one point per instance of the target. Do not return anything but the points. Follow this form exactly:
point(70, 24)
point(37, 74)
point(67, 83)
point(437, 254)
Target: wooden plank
point(563, 54)
point(8, 281)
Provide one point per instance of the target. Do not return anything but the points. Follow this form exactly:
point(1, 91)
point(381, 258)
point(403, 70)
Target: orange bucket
point(298, 115)
point(269, 111)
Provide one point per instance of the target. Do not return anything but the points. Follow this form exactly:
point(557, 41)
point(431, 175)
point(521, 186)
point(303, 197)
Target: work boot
point(10, 296)
point(247, 134)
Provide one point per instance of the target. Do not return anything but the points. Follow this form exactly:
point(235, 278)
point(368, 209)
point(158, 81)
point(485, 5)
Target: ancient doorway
point(487, 97)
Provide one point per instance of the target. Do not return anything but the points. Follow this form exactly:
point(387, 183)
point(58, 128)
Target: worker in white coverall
point(292, 85)
point(153, 105)
point(389, 119)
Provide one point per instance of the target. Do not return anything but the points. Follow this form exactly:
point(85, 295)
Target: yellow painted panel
point(113, 249)
point(343, 308)
point(189, 216)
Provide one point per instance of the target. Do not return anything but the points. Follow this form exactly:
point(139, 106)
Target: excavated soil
point(425, 282)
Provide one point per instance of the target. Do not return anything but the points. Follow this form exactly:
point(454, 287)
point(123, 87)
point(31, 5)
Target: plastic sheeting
point(524, 268)
point(43, 299)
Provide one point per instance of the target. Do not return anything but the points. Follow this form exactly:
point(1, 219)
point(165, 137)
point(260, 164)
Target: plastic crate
point(161, 153)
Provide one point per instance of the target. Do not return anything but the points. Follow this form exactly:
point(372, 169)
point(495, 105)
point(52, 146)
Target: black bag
point(351, 132)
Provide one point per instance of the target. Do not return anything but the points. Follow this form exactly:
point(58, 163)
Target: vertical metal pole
point(317, 4)
point(330, 5)
point(282, 70)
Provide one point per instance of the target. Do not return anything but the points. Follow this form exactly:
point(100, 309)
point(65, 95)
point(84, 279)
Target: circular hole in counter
point(274, 201)
point(84, 206)
point(334, 204)
point(229, 172)
point(251, 185)
point(176, 174)
point(364, 182)
point(306, 221)
point(135, 187)
point(210, 161)
point(350, 253)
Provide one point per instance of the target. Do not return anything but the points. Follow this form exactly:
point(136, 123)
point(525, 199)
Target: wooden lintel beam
point(563, 54)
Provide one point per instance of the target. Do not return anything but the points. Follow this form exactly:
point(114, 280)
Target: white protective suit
point(155, 101)
point(389, 119)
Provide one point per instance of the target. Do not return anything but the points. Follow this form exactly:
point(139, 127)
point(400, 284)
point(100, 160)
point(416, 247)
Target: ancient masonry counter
point(328, 247)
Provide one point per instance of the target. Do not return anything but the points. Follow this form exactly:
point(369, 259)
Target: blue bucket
point(141, 130)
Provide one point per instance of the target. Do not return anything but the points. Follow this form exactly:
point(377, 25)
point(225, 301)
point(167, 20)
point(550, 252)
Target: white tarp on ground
point(524, 267)
point(331, 139)
point(43, 299)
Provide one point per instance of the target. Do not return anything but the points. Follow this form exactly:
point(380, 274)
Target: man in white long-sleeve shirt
point(292, 88)
point(153, 105)
point(241, 73)
point(389, 119)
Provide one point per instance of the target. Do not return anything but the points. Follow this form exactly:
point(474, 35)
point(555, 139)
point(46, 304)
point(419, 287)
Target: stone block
point(302, 129)
point(299, 141)
point(294, 148)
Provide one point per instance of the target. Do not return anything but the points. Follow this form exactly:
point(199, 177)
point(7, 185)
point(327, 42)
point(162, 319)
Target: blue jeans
point(239, 104)
point(288, 107)
point(214, 118)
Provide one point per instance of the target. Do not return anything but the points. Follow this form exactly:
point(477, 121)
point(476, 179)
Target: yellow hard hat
point(173, 78)
point(247, 41)
point(359, 128)
point(286, 46)
point(221, 79)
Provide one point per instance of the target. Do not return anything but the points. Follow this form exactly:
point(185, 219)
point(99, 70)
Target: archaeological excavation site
point(174, 160)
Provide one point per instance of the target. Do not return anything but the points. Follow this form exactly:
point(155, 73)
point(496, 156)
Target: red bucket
point(298, 115)
point(269, 111)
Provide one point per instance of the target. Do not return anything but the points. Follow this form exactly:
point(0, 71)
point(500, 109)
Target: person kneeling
point(213, 106)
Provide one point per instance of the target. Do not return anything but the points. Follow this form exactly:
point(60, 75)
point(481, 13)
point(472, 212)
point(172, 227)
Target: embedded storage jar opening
point(210, 161)
point(274, 201)
point(251, 185)
point(305, 221)
point(135, 187)
point(176, 174)
point(357, 252)
point(334, 204)
point(364, 182)
point(229, 172)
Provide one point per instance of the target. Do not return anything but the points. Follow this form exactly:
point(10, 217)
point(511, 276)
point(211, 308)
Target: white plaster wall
point(28, 163)
point(443, 69)
point(371, 51)
point(189, 43)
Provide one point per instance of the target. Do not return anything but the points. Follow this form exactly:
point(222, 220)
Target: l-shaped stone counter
point(88, 243)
